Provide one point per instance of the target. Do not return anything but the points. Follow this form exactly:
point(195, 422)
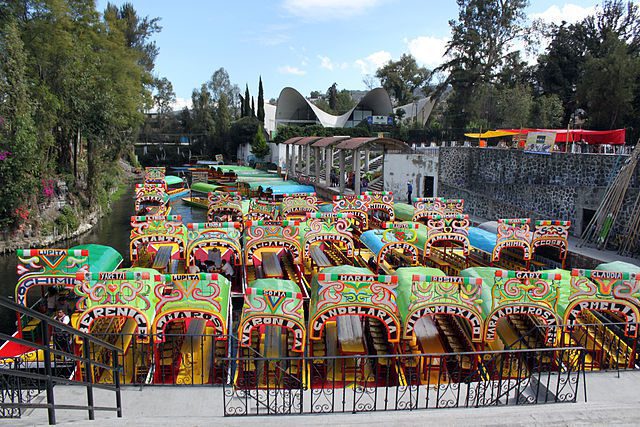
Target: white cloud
point(567, 12)
point(287, 69)
point(372, 62)
point(428, 50)
point(328, 9)
point(325, 62)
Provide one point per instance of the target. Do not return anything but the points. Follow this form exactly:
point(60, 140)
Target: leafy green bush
point(68, 220)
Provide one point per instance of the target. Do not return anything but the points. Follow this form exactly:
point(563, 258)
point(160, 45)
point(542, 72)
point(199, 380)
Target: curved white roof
point(293, 107)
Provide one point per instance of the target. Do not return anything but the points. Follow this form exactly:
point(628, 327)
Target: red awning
point(614, 137)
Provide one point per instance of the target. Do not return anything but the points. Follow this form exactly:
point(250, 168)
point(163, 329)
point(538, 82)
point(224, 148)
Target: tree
point(332, 94)
point(220, 84)
point(165, 97)
point(260, 101)
point(547, 112)
point(608, 85)
point(481, 39)
point(402, 78)
point(370, 82)
point(223, 124)
point(514, 107)
point(18, 152)
point(243, 131)
point(136, 31)
point(253, 108)
point(560, 67)
point(247, 105)
point(259, 147)
point(344, 102)
point(315, 94)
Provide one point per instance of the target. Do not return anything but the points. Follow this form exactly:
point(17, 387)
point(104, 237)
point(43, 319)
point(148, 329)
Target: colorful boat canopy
point(353, 291)
point(482, 239)
point(154, 231)
point(447, 228)
point(272, 234)
point(323, 227)
point(619, 266)
point(273, 302)
point(452, 295)
point(254, 184)
point(128, 292)
point(603, 290)
point(48, 267)
point(203, 187)
point(206, 236)
point(505, 293)
point(192, 296)
point(173, 180)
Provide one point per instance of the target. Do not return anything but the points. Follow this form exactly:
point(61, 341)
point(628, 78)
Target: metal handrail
point(12, 370)
point(7, 303)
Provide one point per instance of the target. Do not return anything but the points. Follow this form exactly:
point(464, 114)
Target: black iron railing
point(54, 354)
point(307, 385)
point(202, 359)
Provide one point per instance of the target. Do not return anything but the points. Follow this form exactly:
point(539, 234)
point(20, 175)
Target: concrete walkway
point(611, 400)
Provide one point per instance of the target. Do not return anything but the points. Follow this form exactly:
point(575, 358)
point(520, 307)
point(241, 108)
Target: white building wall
point(277, 156)
point(402, 168)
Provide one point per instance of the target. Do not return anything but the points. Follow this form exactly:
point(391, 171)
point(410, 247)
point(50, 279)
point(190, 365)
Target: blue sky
point(307, 44)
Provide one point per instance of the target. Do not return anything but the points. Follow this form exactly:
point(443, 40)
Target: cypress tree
point(247, 106)
point(253, 108)
point(260, 101)
point(241, 106)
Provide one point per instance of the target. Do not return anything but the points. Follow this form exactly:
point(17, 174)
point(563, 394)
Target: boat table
point(319, 257)
point(271, 265)
point(429, 339)
point(162, 258)
point(350, 334)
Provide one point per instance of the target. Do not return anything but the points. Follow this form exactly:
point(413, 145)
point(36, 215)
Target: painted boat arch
point(427, 206)
point(227, 205)
point(553, 234)
point(210, 235)
point(259, 235)
point(273, 302)
point(447, 228)
point(149, 231)
point(524, 293)
point(122, 293)
point(328, 227)
point(356, 206)
point(192, 296)
point(380, 207)
point(349, 291)
point(445, 295)
point(298, 204)
point(513, 233)
point(262, 210)
point(151, 193)
point(48, 267)
point(58, 267)
point(599, 290)
point(154, 175)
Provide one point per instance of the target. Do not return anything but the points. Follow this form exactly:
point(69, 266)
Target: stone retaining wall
point(501, 183)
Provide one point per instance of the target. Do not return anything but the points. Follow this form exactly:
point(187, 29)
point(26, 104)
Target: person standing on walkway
point(409, 191)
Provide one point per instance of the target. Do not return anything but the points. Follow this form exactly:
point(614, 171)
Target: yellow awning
point(490, 134)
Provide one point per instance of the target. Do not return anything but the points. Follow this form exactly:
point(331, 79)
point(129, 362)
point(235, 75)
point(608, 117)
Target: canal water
point(112, 230)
